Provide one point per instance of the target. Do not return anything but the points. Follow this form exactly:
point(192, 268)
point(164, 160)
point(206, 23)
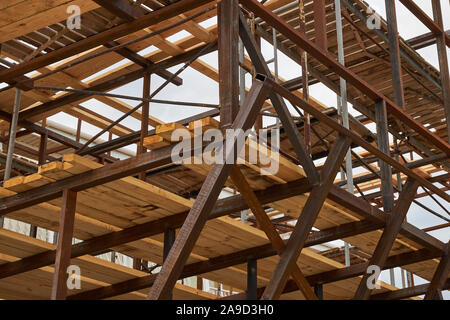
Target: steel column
point(443, 61)
point(252, 279)
point(208, 195)
point(228, 15)
point(64, 246)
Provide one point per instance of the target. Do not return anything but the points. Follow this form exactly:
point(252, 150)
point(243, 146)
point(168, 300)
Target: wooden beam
point(65, 235)
point(307, 218)
point(406, 292)
point(389, 235)
point(209, 192)
point(266, 225)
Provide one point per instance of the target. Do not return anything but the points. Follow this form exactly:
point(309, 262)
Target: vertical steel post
point(343, 111)
point(12, 136)
point(252, 280)
point(144, 117)
point(228, 29)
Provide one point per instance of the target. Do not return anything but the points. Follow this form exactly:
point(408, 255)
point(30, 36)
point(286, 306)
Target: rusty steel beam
point(208, 195)
point(393, 226)
point(307, 218)
point(65, 235)
point(320, 25)
point(443, 61)
point(235, 258)
point(113, 83)
point(406, 292)
point(292, 132)
point(356, 138)
point(394, 52)
point(266, 225)
point(352, 78)
point(425, 19)
point(440, 276)
point(228, 41)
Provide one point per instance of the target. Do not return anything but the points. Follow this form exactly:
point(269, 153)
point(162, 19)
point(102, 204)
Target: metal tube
point(343, 111)
point(12, 136)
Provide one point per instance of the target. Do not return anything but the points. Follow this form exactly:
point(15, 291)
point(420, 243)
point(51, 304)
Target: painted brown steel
point(391, 230)
point(62, 261)
point(208, 195)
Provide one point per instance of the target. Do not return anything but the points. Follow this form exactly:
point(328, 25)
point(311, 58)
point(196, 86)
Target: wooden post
point(63, 249)
point(440, 276)
point(169, 239)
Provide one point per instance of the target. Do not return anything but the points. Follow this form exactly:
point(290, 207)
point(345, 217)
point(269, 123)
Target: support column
point(390, 232)
point(252, 280)
point(307, 218)
point(169, 239)
point(318, 290)
point(207, 197)
point(227, 14)
point(320, 24)
point(144, 117)
point(394, 50)
point(12, 140)
point(387, 188)
point(64, 247)
point(443, 61)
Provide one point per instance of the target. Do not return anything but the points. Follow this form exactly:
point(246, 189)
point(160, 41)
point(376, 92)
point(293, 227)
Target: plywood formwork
point(131, 214)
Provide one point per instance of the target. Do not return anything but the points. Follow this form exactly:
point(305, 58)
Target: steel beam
point(266, 225)
point(117, 32)
point(228, 15)
point(389, 235)
point(290, 128)
point(208, 195)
